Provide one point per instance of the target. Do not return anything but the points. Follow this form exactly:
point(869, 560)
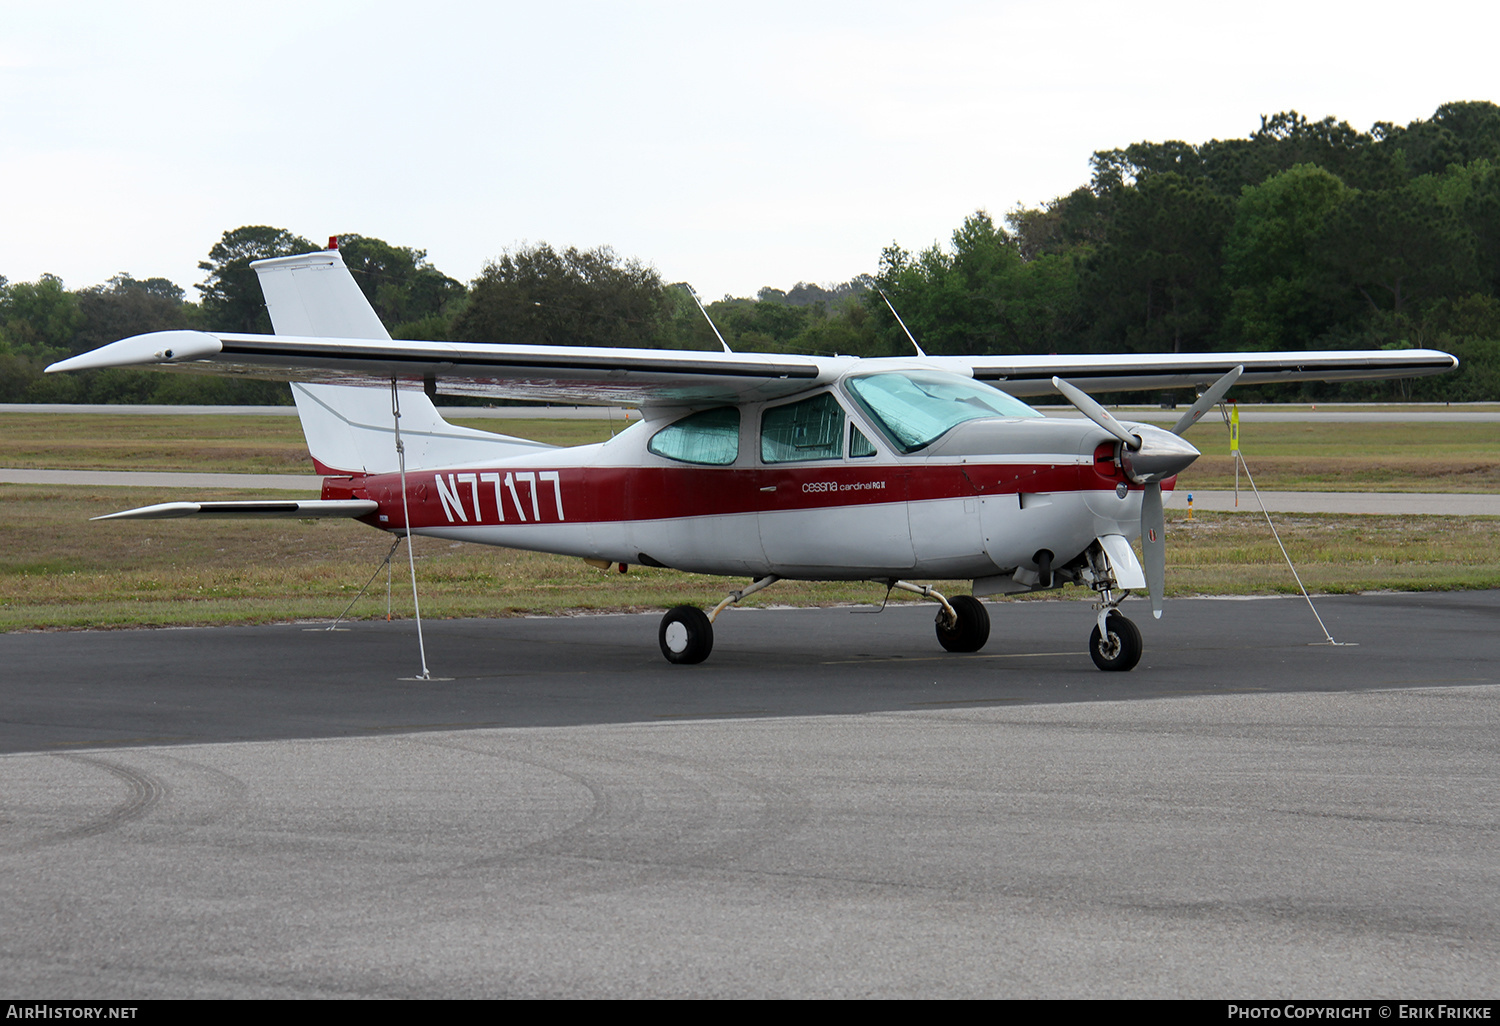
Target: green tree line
point(1303, 235)
point(41, 321)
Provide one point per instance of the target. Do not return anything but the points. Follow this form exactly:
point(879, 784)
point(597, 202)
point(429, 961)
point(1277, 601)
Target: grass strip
point(58, 570)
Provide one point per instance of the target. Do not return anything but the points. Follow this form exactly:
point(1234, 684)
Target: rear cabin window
point(810, 430)
point(711, 438)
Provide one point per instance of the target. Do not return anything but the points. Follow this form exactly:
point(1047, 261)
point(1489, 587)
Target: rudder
point(349, 428)
point(314, 294)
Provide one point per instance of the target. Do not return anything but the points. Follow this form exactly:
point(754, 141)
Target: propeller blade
point(1096, 413)
point(1154, 545)
point(1206, 401)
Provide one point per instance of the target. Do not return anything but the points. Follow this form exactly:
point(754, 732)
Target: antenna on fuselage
point(694, 293)
point(901, 322)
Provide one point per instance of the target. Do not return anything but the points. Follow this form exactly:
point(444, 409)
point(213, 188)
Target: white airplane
point(769, 467)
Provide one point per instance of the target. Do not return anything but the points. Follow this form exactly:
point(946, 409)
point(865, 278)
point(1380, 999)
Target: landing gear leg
point(1115, 644)
point(734, 596)
point(686, 634)
point(963, 625)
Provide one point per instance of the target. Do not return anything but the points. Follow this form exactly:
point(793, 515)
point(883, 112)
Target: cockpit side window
point(812, 429)
point(859, 445)
point(710, 437)
point(915, 408)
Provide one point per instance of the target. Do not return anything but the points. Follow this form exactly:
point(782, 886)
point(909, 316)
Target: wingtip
point(157, 347)
point(160, 511)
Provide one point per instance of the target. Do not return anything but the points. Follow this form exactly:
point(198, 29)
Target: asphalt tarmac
point(830, 806)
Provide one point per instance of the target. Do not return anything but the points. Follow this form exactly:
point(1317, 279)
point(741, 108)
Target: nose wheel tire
point(971, 630)
point(1121, 649)
point(686, 635)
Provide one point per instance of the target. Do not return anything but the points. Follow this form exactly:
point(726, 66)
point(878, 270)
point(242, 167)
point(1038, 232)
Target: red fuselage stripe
point(613, 494)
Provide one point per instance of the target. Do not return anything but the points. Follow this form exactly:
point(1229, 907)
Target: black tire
point(686, 636)
point(1123, 649)
point(972, 629)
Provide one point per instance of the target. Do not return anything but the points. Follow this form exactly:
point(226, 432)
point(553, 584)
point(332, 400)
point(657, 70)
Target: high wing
point(653, 377)
point(328, 334)
point(631, 377)
point(1032, 375)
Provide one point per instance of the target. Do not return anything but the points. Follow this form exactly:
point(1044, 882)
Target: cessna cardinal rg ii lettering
point(761, 466)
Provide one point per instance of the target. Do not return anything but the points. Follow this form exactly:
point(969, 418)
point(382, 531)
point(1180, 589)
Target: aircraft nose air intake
point(1161, 455)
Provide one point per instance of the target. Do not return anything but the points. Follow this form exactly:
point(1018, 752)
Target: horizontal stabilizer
point(305, 509)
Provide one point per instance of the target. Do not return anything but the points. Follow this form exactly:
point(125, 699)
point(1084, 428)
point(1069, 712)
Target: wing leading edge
point(656, 377)
point(1025, 376)
point(559, 373)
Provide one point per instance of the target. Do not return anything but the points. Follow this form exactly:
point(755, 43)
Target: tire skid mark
point(612, 832)
point(621, 827)
point(612, 808)
point(234, 792)
point(145, 791)
point(783, 809)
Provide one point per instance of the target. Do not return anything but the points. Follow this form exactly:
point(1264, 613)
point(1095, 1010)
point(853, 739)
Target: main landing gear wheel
point(1121, 650)
point(686, 635)
point(971, 630)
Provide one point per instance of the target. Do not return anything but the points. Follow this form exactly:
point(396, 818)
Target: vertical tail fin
point(314, 294)
point(350, 429)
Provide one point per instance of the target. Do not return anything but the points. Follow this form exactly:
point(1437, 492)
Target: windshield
point(916, 407)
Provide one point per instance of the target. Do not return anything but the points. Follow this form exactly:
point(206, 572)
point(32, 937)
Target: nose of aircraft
point(1161, 455)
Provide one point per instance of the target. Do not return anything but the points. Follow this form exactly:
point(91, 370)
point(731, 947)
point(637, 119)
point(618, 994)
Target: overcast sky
point(732, 146)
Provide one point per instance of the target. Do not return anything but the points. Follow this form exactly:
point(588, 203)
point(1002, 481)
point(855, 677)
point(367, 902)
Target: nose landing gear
point(1118, 646)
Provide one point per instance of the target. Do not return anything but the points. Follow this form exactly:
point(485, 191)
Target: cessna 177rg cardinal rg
point(763, 466)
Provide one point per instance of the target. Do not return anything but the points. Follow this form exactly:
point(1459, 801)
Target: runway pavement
point(830, 806)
